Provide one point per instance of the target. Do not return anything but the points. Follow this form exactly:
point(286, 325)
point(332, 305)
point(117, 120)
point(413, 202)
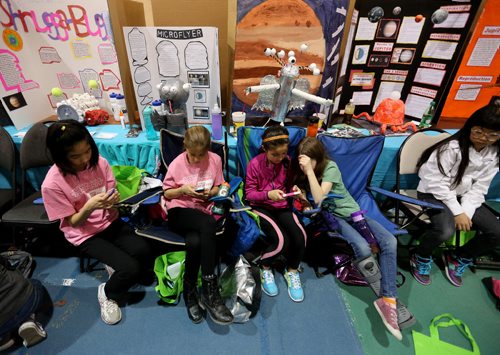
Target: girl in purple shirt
point(265, 189)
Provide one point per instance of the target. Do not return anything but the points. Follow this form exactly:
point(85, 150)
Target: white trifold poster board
point(54, 43)
point(190, 54)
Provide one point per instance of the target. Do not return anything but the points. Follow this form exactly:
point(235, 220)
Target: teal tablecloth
point(119, 150)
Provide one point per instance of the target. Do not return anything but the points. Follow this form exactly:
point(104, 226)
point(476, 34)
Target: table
point(119, 150)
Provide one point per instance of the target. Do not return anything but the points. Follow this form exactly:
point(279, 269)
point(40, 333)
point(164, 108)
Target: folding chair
point(7, 173)
point(249, 143)
point(7, 169)
point(171, 145)
point(356, 159)
point(34, 154)
point(406, 174)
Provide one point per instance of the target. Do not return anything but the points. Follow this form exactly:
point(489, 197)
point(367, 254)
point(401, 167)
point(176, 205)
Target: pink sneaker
point(389, 316)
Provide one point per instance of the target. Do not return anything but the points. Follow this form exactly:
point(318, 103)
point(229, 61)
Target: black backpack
point(18, 260)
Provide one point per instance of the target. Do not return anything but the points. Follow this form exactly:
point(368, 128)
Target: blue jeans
point(32, 305)
point(388, 251)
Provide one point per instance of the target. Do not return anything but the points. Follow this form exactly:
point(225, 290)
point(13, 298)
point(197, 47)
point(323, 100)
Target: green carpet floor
point(471, 303)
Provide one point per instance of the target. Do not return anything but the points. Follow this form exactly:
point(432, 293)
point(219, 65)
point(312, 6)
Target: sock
point(390, 300)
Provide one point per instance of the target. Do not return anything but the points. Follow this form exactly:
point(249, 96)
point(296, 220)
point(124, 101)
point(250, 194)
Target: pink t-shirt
point(206, 174)
point(65, 195)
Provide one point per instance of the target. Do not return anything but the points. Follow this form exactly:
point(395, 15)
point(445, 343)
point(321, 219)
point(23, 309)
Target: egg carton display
point(76, 106)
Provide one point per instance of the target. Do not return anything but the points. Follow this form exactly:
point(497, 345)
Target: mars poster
point(286, 25)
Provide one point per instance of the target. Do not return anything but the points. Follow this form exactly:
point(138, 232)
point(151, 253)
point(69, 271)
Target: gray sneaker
point(32, 333)
point(110, 312)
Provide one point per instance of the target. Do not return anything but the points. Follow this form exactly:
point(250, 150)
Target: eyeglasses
point(491, 137)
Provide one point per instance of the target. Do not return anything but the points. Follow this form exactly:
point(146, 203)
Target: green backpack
point(169, 269)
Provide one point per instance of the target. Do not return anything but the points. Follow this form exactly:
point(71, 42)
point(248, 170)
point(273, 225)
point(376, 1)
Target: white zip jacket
point(482, 168)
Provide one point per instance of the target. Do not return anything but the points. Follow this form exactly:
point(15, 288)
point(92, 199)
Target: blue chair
point(356, 159)
point(171, 145)
point(249, 143)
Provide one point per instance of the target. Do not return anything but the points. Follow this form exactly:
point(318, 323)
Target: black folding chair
point(34, 154)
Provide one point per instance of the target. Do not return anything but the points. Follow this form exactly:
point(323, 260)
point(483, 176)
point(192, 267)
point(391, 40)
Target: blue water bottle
point(216, 123)
point(359, 223)
point(150, 130)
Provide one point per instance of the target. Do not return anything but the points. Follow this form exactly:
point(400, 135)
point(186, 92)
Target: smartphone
point(110, 192)
point(199, 189)
point(290, 194)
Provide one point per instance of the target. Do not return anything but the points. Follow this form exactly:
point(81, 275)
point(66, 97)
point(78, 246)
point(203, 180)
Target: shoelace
point(294, 280)
point(462, 265)
point(267, 276)
point(394, 315)
point(424, 265)
point(109, 306)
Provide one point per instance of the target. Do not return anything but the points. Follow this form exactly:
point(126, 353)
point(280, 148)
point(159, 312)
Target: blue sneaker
point(267, 281)
point(294, 286)
point(455, 268)
point(421, 269)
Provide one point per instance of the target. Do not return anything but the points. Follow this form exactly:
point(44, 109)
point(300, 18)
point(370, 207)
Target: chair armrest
point(141, 197)
point(404, 198)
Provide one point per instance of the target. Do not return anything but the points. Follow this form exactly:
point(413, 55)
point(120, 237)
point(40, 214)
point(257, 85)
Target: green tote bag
point(169, 270)
point(432, 345)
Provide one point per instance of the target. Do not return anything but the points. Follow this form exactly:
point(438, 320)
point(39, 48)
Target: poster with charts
point(190, 54)
point(55, 43)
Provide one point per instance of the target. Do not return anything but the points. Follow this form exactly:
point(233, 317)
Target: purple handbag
point(348, 274)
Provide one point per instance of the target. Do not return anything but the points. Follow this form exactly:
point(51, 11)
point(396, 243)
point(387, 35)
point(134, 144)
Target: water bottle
point(150, 130)
point(158, 118)
point(348, 112)
point(112, 102)
point(359, 223)
point(120, 102)
point(426, 120)
point(218, 207)
point(216, 123)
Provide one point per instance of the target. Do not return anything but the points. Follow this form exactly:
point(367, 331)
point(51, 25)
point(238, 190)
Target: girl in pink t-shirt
point(79, 190)
point(192, 178)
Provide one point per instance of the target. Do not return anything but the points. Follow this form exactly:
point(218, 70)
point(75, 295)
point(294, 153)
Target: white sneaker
point(110, 312)
point(32, 333)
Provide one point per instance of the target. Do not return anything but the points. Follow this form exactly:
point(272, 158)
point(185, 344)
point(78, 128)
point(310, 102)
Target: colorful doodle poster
point(53, 43)
point(285, 25)
point(190, 54)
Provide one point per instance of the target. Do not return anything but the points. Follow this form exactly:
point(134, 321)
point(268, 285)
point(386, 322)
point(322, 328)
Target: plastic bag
point(128, 178)
point(241, 289)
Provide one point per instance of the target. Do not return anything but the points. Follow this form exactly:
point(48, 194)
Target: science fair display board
point(54, 43)
point(478, 77)
point(286, 25)
point(190, 54)
point(405, 46)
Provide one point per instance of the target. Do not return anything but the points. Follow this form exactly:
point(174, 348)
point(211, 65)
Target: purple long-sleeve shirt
point(263, 176)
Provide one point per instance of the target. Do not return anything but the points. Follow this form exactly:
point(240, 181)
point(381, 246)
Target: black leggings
point(199, 230)
point(285, 235)
point(442, 228)
point(127, 253)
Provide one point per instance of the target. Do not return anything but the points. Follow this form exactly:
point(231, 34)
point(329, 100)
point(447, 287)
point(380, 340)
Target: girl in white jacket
point(457, 173)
